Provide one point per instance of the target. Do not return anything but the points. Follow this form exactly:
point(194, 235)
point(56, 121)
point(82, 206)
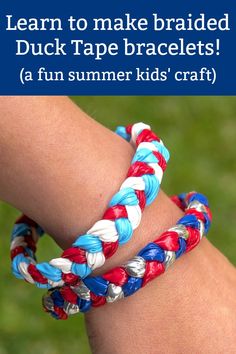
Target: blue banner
point(118, 48)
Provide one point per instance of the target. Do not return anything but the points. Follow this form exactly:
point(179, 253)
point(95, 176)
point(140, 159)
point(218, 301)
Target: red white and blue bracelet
point(89, 251)
point(149, 263)
point(71, 289)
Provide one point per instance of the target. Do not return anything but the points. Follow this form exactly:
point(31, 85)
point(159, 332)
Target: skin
point(52, 170)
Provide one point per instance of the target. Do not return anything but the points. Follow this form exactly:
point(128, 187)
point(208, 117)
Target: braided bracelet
point(90, 251)
point(149, 263)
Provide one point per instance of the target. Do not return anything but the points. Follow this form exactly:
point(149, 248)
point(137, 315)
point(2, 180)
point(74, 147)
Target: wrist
point(178, 312)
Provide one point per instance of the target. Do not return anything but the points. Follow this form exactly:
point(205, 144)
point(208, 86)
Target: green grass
point(200, 133)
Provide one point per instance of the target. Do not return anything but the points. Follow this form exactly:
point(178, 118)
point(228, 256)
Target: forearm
point(58, 165)
point(61, 168)
point(68, 169)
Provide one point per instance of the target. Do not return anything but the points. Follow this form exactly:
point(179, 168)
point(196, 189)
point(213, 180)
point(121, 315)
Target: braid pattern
point(123, 216)
point(149, 263)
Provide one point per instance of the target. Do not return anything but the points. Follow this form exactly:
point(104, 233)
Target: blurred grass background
point(200, 133)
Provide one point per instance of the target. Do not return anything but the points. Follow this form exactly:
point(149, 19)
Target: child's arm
point(61, 168)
